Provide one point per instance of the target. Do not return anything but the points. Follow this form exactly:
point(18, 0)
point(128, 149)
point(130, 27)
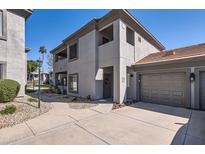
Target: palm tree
point(42, 50)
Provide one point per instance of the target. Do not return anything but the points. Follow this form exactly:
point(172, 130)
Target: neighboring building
point(34, 76)
point(12, 46)
point(51, 78)
point(116, 57)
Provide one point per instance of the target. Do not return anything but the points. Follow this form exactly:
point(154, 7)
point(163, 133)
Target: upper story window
point(1, 23)
point(106, 35)
point(73, 52)
point(130, 36)
point(139, 39)
point(61, 55)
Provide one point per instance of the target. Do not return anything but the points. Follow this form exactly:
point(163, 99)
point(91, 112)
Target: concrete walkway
point(141, 123)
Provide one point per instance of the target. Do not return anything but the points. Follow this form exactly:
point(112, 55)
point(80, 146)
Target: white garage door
point(163, 88)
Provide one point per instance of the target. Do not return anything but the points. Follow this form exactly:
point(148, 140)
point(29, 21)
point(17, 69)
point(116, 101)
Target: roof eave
point(181, 60)
point(152, 36)
point(26, 13)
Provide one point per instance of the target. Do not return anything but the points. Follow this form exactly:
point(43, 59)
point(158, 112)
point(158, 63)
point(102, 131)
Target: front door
point(107, 85)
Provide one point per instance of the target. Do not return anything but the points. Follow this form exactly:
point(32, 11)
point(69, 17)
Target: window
point(61, 55)
point(73, 51)
point(130, 36)
point(1, 23)
point(139, 39)
point(105, 40)
point(106, 35)
point(73, 83)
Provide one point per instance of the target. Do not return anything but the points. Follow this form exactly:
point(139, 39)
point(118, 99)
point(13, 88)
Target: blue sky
point(173, 28)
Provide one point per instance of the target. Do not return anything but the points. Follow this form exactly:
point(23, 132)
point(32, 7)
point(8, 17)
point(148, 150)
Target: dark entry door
point(107, 85)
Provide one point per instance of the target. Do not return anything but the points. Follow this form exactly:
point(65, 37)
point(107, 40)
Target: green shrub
point(9, 109)
point(8, 90)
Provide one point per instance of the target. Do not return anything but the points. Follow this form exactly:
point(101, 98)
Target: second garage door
point(163, 88)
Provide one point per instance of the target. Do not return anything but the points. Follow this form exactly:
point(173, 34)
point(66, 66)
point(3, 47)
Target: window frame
point(69, 83)
point(4, 25)
point(130, 31)
point(73, 59)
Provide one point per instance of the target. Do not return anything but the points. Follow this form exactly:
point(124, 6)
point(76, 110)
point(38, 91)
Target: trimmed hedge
point(8, 90)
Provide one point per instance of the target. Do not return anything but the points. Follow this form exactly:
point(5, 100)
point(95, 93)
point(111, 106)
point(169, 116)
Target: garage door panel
point(164, 88)
point(202, 90)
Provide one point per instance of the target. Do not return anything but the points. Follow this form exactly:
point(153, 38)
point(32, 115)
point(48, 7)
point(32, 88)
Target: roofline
point(83, 27)
point(183, 47)
point(27, 50)
point(26, 13)
point(168, 61)
point(96, 21)
point(58, 47)
point(147, 31)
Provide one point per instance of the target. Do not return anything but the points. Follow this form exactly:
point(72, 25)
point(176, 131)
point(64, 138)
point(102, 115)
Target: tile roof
point(175, 54)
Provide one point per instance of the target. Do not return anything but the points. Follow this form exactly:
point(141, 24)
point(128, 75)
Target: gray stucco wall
point(12, 50)
point(128, 55)
point(85, 65)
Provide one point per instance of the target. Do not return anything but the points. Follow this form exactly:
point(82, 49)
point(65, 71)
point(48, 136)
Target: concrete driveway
point(141, 123)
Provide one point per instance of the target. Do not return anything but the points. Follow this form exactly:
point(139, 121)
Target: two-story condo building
point(117, 57)
point(12, 46)
point(96, 60)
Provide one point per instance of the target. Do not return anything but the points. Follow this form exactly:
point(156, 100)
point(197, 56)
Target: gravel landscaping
point(73, 102)
point(26, 107)
point(24, 110)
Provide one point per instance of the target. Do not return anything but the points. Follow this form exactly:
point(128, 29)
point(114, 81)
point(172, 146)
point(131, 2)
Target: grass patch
point(32, 100)
point(9, 109)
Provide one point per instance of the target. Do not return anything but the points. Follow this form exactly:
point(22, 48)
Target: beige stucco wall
point(12, 50)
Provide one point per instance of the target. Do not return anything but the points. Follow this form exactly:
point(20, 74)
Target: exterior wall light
point(192, 77)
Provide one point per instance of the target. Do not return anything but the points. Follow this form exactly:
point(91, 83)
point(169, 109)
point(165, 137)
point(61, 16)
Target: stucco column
point(120, 83)
point(123, 82)
point(116, 87)
point(192, 90)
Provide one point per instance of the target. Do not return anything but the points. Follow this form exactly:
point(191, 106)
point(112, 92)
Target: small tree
point(31, 67)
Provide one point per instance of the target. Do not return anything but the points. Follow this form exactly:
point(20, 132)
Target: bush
point(8, 90)
point(9, 109)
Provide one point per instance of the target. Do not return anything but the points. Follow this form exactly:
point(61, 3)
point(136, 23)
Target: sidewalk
point(60, 115)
